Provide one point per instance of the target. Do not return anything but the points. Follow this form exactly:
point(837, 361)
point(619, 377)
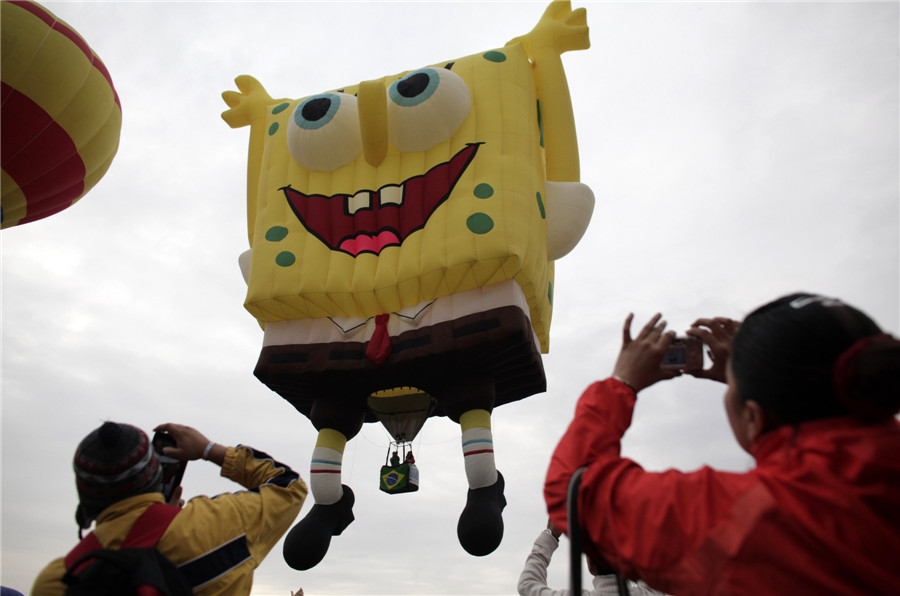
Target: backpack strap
point(145, 533)
point(87, 545)
point(150, 526)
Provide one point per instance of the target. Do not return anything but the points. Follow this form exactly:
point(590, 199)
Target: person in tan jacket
point(217, 542)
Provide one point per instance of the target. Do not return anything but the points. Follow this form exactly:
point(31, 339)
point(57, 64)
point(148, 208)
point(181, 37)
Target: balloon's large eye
point(426, 107)
point(323, 131)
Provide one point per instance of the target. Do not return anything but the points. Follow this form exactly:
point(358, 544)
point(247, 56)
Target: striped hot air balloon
point(60, 114)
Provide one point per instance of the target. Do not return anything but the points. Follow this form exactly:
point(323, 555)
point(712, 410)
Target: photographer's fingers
point(710, 333)
point(722, 328)
point(626, 329)
point(639, 362)
point(730, 327)
point(706, 326)
point(702, 334)
point(189, 442)
point(657, 351)
point(651, 327)
point(665, 339)
point(717, 334)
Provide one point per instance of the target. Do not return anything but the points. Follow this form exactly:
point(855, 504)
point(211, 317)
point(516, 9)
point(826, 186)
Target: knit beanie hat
point(114, 462)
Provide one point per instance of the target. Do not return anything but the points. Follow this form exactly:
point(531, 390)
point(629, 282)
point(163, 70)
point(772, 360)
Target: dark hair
point(805, 357)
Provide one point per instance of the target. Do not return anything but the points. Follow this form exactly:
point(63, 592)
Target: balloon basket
point(403, 478)
point(399, 475)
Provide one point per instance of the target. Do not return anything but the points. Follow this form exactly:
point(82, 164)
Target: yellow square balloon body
point(490, 229)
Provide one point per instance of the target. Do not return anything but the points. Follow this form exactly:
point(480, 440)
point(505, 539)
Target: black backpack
point(135, 569)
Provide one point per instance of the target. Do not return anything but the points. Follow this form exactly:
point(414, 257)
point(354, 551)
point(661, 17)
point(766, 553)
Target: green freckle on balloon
point(495, 56)
point(273, 129)
point(285, 259)
point(483, 191)
point(541, 206)
point(280, 108)
point(276, 234)
point(480, 223)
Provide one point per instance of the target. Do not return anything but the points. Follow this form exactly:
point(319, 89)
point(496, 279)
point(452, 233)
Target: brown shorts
point(481, 360)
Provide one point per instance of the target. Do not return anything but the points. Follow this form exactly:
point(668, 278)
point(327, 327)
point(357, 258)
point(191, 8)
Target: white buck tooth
point(361, 200)
point(391, 195)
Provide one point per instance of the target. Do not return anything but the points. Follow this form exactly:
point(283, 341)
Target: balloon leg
point(478, 448)
point(480, 527)
point(307, 542)
point(325, 467)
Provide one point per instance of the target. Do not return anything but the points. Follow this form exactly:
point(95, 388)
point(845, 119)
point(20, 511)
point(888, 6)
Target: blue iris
point(415, 87)
point(317, 111)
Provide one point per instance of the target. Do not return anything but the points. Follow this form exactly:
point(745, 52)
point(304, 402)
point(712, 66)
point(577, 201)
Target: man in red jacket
point(813, 390)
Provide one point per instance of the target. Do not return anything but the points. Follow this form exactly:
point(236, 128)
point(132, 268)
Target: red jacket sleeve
point(642, 524)
point(594, 435)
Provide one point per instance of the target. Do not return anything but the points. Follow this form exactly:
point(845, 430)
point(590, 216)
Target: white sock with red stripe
point(478, 448)
point(325, 468)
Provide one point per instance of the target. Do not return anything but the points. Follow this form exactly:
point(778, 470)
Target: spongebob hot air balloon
point(61, 116)
point(403, 232)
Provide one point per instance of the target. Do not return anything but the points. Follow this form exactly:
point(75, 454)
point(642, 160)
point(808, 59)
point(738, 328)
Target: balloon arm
point(244, 264)
point(249, 106)
point(560, 30)
point(569, 209)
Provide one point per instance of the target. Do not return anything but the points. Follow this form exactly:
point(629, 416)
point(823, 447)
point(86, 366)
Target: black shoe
point(307, 542)
point(480, 527)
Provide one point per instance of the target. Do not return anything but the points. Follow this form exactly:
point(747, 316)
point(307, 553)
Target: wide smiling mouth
point(371, 220)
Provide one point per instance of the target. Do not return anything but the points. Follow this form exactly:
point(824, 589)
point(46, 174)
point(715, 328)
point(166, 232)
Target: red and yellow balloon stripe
point(60, 115)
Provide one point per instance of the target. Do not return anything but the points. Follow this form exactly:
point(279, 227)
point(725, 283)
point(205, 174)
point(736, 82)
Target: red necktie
point(379, 347)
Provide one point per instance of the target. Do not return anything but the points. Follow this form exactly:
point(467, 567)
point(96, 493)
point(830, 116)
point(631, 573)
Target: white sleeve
point(533, 579)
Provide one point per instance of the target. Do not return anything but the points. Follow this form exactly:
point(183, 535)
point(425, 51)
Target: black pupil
point(413, 84)
point(315, 109)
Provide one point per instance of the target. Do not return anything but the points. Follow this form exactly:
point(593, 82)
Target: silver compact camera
point(684, 353)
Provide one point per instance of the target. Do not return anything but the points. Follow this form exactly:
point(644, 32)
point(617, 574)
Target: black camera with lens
point(173, 469)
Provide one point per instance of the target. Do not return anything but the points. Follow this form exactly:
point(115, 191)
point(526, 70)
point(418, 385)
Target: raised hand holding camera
point(640, 360)
point(175, 445)
point(191, 444)
point(716, 333)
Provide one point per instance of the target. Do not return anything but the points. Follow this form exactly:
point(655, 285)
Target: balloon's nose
point(373, 123)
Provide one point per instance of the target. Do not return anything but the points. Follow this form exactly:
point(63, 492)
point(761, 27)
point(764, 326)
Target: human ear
point(754, 419)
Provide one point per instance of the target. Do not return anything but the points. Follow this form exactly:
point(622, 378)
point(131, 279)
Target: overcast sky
point(737, 151)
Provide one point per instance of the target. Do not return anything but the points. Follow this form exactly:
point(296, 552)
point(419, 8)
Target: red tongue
point(379, 347)
point(372, 244)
